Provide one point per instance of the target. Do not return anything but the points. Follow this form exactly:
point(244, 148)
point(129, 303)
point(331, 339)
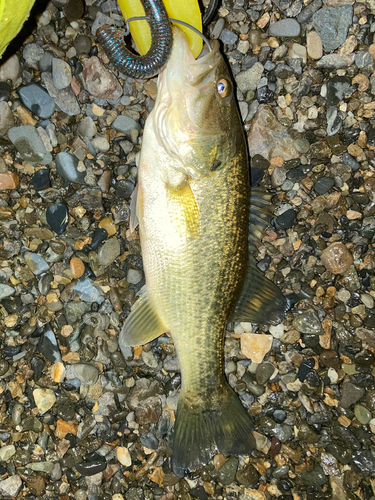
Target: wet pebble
point(44, 399)
point(350, 394)
point(57, 217)
point(91, 468)
point(36, 263)
point(332, 24)
point(37, 100)
point(6, 118)
point(61, 73)
point(11, 486)
point(336, 258)
point(285, 27)
point(29, 144)
point(109, 251)
point(67, 167)
point(227, 472)
point(5, 90)
point(41, 180)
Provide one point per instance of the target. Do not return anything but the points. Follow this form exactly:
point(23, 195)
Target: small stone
point(61, 73)
point(308, 11)
point(5, 91)
point(6, 291)
point(41, 180)
point(133, 276)
point(362, 59)
point(337, 258)
point(29, 144)
point(32, 53)
point(362, 414)
point(67, 167)
point(9, 180)
point(11, 486)
point(58, 372)
point(10, 69)
point(87, 127)
point(88, 292)
point(6, 118)
point(248, 476)
point(64, 98)
point(286, 219)
point(324, 184)
point(91, 468)
point(227, 472)
point(86, 373)
point(100, 144)
point(264, 372)
point(44, 400)
point(255, 346)
point(6, 452)
point(125, 124)
point(302, 145)
point(77, 267)
point(330, 359)
point(109, 252)
point(363, 463)
point(228, 37)
point(362, 81)
point(57, 217)
point(332, 24)
point(307, 322)
point(285, 27)
point(99, 81)
point(82, 44)
point(123, 456)
point(36, 263)
point(249, 79)
point(37, 100)
point(336, 61)
point(298, 51)
point(100, 235)
point(350, 394)
point(48, 345)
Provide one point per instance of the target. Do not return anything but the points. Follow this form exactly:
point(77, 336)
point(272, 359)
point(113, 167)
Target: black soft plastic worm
point(161, 44)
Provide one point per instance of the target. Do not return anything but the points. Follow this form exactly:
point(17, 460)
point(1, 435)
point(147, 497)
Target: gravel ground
point(80, 420)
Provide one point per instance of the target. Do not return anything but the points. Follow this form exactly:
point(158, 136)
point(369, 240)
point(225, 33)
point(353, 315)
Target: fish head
point(195, 118)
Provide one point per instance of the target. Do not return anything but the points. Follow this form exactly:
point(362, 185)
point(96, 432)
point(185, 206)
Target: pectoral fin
point(135, 208)
point(142, 325)
point(260, 300)
point(183, 209)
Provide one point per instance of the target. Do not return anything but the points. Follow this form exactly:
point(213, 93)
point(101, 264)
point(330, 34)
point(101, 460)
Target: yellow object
point(183, 10)
point(12, 16)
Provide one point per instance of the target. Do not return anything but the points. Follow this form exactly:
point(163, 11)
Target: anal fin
point(142, 325)
point(260, 300)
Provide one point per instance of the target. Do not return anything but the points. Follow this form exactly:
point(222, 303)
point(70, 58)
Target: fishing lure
point(161, 44)
point(151, 63)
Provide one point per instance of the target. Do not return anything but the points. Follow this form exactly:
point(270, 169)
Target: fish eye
point(223, 87)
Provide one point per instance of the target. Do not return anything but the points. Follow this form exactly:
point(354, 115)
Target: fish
point(149, 64)
point(192, 206)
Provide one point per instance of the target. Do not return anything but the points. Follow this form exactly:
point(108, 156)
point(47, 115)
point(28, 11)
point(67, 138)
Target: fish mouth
point(183, 68)
point(182, 87)
point(183, 78)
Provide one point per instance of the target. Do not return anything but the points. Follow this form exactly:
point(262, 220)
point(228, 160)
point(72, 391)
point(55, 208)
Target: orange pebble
point(77, 267)
point(108, 225)
point(63, 428)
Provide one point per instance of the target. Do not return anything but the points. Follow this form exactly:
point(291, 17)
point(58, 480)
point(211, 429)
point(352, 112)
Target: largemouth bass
point(193, 210)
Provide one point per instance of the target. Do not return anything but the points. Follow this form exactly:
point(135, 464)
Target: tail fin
point(221, 423)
